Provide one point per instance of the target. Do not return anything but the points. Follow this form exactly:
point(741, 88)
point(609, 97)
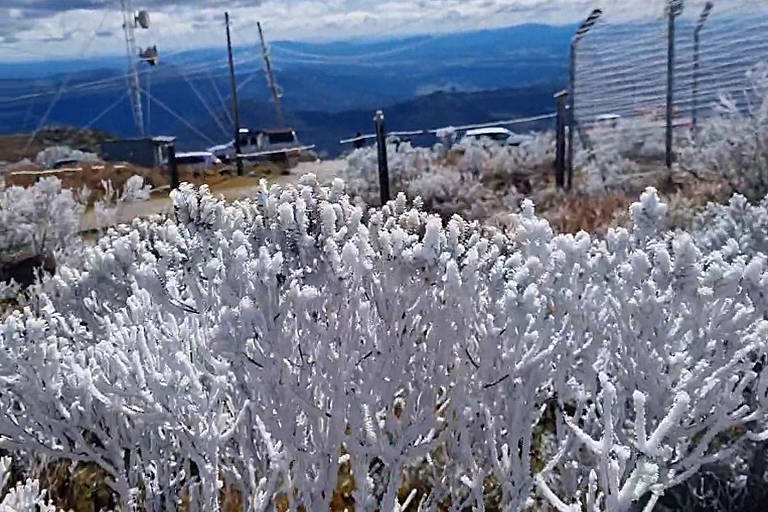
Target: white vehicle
point(607, 120)
point(197, 160)
point(498, 134)
point(257, 141)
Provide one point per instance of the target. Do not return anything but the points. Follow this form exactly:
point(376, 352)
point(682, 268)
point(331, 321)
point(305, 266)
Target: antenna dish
point(149, 55)
point(142, 19)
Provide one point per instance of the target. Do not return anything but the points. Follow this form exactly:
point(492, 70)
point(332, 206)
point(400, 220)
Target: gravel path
point(326, 171)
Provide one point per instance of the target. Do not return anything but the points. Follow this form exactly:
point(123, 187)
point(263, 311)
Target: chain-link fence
point(622, 75)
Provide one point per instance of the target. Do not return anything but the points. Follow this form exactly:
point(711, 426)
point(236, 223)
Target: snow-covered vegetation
point(476, 178)
point(23, 496)
point(40, 219)
point(40, 225)
point(300, 350)
point(44, 219)
point(49, 156)
point(297, 350)
point(733, 143)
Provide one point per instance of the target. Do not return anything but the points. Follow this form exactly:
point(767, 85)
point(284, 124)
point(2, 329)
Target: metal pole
point(582, 31)
point(271, 78)
point(670, 81)
point(560, 159)
point(381, 144)
point(571, 115)
point(173, 167)
point(235, 107)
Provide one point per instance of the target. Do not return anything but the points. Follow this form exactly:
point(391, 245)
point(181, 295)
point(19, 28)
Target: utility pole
point(675, 9)
point(235, 106)
point(271, 78)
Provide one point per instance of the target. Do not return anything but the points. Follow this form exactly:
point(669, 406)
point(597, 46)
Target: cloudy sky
point(82, 28)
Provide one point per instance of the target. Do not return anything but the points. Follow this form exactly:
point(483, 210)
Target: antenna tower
point(276, 94)
point(129, 24)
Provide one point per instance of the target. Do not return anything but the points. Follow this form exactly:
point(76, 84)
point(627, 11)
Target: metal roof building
point(144, 151)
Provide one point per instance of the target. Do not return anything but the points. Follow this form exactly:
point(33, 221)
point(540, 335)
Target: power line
point(47, 113)
point(434, 131)
point(178, 117)
point(205, 105)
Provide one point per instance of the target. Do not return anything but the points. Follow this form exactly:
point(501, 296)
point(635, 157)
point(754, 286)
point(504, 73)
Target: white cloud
point(60, 28)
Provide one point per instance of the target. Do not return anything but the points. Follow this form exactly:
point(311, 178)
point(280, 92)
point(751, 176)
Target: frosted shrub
point(51, 155)
point(475, 178)
point(38, 220)
point(738, 228)
point(618, 148)
point(109, 208)
point(261, 346)
point(40, 226)
point(24, 496)
point(733, 143)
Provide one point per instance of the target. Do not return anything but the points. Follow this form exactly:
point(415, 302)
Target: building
point(258, 141)
point(145, 152)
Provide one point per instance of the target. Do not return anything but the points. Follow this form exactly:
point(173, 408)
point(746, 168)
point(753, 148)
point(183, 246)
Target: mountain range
point(330, 90)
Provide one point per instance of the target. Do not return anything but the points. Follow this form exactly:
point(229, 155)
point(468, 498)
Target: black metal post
point(571, 115)
point(560, 160)
point(235, 107)
point(673, 12)
point(173, 167)
point(381, 144)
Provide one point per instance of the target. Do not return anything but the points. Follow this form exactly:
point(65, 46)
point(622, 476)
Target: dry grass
point(596, 213)
point(92, 176)
point(593, 214)
point(80, 490)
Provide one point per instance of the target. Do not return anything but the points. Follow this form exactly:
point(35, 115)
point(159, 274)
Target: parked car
point(197, 160)
point(498, 134)
point(65, 163)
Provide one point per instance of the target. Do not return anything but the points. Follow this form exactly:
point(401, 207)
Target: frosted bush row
point(474, 178)
point(738, 228)
point(259, 347)
point(49, 156)
point(44, 219)
point(730, 144)
point(733, 143)
point(40, 219)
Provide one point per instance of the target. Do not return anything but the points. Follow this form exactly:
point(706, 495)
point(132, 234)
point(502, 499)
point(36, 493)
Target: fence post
point(696, 47)
point(571, 116)
point(173, 167)
point(381, 145)
point(675, 8)
point(560, 160)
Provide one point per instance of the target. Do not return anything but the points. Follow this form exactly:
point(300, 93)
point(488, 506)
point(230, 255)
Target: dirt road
point(238, 188)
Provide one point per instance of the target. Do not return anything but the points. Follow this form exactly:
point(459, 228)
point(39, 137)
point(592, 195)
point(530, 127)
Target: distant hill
point(19, 146)
point(325, 129)
point(425, 112)
point(329, 89)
